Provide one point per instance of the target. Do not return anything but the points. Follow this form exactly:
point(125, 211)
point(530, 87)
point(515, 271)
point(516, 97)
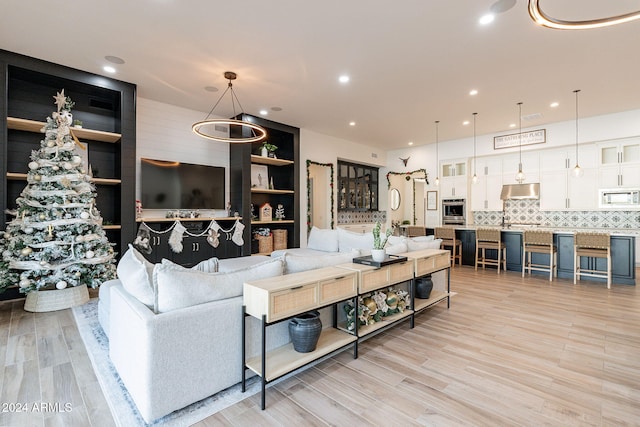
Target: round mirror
point(394, 199)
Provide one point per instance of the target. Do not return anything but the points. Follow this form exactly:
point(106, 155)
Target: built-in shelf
point(202, 218)
point(264, 191)
point(434, 297)
point(279, 221)
point(103, 181)
point(270, 161)
point(81, 133)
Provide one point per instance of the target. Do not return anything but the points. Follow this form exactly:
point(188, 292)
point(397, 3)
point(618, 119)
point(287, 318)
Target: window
point(357, 187)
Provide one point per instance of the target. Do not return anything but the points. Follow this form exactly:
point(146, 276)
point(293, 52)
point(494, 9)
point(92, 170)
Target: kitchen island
point(623, 252)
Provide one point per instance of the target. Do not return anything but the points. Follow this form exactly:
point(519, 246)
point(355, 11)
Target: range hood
point(520, 191)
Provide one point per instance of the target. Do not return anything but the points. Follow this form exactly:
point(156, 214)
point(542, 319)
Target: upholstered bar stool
point(592, 245)
point(539, 242)
point(448, 236)
point(415, 230)
point(490, 238)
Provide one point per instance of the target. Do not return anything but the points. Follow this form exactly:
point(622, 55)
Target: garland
point(408, 177)
point(309, 163)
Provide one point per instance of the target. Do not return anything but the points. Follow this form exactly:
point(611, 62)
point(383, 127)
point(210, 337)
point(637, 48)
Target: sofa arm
point(170, 360)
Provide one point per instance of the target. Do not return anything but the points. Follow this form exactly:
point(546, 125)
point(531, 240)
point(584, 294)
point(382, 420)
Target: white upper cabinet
point(453, 179)
point(485, 193)
point(620, 163)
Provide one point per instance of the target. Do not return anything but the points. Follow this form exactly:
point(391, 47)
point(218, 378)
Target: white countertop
point(558, 230)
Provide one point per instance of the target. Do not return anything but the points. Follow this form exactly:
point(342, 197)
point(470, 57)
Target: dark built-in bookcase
point(283, 170)
point(107, 108)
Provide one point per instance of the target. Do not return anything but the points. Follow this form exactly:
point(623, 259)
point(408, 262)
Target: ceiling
point(410, 63)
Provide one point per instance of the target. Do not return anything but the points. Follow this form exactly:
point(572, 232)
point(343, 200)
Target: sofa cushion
point(207, 266)
point(423, 238)
point(348, 241)
point(178, 287)
point(232, 264)
point(398, 248)
point(296, 263)
point(323, 239)
point(414, 245)
point(136, 273)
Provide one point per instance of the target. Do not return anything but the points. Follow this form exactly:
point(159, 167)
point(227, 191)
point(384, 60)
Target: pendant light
point(475, 177)
point(437, 157)
point(520, 175)
point(258, 133)
point(577, 171)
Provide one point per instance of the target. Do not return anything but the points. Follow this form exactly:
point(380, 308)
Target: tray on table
point(388, 259)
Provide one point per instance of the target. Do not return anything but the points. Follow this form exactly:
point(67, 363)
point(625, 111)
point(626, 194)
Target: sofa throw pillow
point(323, 239)
point(136, 274)
point(297, 263)
point(180, 288)
point(398, 248)
point(394, 240)
point(348, 241)
point(423, 238)
point(429, 244)
point(207, 266)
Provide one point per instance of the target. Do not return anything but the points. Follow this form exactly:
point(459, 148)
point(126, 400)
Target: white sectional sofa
point(175, 334)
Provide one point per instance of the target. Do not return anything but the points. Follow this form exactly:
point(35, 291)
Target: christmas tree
point(56, 239)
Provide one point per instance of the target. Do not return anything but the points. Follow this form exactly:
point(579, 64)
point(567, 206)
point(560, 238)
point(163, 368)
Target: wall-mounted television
point(176, 185)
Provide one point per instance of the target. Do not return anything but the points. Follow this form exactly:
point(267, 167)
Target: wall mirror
point(394, 199)
point(320, 197)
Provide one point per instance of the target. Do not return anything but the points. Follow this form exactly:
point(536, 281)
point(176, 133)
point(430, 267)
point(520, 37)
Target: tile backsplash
point(528, 211)
point(355, 217)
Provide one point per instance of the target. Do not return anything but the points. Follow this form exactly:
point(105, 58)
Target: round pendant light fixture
point(206, 128)
point(541, 18)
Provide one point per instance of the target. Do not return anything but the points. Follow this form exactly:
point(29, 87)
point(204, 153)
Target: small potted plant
point(268, 150)
point(77, 124)
point(379, 242)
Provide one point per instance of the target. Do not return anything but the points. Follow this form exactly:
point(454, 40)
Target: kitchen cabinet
point(454, 179)
point(530, 167)
point(620, 163)
point(560, 189)
point(485, 193)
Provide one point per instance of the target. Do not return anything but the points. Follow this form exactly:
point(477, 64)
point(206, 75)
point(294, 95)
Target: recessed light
point(512, 125)
point(465, 123)
point(554, 104)
point(352, 123)
point(109, 69)
point(473, 92)
point(114, 59)
point(343, 79)
point(487, 19)
point(264, 112)
point(410, 142)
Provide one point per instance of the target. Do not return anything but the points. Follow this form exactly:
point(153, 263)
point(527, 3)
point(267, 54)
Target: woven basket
point(279, 239)
point(41, 301)
point(265, 244)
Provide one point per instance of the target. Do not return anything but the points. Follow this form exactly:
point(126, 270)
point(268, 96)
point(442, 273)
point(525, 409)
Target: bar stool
point(540, 242)
point(415, 230)
point(592, 245)
point(448, 236)
point(490, 238)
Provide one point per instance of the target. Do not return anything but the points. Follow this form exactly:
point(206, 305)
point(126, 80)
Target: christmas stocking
point(214, 235)
point(141, 241)
point(175, 240)
point(237, 234)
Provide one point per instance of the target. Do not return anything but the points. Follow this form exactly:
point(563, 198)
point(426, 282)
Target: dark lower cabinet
point(513, 242)
point(468, 239)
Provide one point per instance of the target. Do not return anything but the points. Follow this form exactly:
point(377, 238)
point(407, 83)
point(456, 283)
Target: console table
point(280, 298)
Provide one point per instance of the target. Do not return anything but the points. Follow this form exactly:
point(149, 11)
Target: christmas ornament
point(50, 144)
point(28, 230)
point(26, 251)
point(61, 284)
point(33, 165)
point(55, 168)
point(84, 215)
point(77, 274)
point(89, 254)
point(25, 283)
point(37, 178)
point(67, 165)
point(76, 160)
point(42, 217)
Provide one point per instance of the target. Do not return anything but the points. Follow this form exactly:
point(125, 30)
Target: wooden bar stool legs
point(449, 240)
point(490, 238)
point(592, 245)
point(540, 242)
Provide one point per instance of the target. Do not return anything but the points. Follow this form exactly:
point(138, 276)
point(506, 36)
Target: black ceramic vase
point(304, 331)
point(423, 288)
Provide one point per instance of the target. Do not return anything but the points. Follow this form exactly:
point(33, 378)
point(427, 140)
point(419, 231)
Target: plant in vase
point(268, 150)
point(379, 242)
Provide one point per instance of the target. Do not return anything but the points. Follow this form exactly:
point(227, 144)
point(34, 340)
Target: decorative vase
point(378, 254)
point(423, 287)
point(264, 152)
point(304, 331)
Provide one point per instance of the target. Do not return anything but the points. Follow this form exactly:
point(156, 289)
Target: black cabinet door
point(468, 239)
point(513, 243)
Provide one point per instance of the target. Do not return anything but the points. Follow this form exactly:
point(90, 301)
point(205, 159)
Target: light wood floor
point(510, 351)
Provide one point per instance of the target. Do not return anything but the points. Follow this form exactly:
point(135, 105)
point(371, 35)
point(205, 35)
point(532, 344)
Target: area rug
point(122, 407)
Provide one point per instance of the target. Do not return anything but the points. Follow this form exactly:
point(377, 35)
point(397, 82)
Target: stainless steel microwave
point(620, 198)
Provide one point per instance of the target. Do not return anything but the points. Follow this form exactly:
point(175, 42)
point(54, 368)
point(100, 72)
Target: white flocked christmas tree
point(56, 239)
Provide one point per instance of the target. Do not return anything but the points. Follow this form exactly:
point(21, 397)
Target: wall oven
point(453, 212)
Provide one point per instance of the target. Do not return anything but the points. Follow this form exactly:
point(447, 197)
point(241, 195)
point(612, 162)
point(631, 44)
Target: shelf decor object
point(257, 133)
